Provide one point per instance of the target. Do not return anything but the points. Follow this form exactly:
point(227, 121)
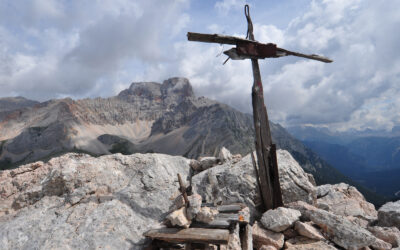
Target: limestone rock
point(389, 215)
point(308, 231)
point(311, 179)
point(280, 219)
point(224, 155)
point(236, 158)
point(208, 162)
point(343, 199)
point(178, 218)
point(76, 201)
point(304, 243)
point(388, 234)
point(232, 183)
point(295, 183)
point(266, 237)
point(339, 229)
point(195, 165)
point(358, 221)
point(381, 245)
point(229, 183)
point(195, 205)
point(303, 207)
point(206, 214)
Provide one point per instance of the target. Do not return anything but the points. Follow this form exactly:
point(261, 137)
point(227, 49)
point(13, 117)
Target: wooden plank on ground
point(230, 208)
point(190, 235)
point(216, 223)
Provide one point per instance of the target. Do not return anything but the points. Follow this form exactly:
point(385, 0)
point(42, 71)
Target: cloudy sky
point(58, 48)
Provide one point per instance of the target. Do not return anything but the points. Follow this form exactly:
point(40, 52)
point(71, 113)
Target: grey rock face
point(280, 219)
point(80, 202)
point(295, 183)
point(343, 199)
point(389, 215)
point(8, 104)
point(230, 183)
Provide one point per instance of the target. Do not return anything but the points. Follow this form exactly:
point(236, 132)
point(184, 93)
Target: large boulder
point(80, 202)
point(280, 219)
point(236, 182)
point(389, 215)
point(343, 199)
point(296, 185)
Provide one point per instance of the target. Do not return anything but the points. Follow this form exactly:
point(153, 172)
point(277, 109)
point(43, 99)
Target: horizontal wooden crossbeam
point(255, 50)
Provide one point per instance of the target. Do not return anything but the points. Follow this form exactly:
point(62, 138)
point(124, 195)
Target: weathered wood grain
point(190, 235)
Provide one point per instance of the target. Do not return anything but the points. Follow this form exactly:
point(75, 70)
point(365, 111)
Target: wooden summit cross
point(267, 171)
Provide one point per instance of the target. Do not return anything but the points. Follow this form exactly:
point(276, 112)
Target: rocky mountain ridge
point(182, 124)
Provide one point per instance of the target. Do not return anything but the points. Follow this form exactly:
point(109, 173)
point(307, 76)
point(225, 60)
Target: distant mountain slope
point(147, 117)
point(13, 103)
point(312, 163)
point(9, 104)
point(381, 153)
point(340, 157)
point(372, 161)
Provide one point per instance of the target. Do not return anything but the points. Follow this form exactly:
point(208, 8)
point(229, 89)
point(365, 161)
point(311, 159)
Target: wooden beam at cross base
point(190, 235)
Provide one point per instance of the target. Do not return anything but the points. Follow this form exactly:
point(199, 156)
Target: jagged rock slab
point(343, 199)
point(80, 202)
point(295, 183)
point(389, 215)
point(338, 229)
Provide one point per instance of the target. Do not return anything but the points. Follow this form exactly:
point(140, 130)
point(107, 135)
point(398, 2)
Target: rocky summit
point(77, 201)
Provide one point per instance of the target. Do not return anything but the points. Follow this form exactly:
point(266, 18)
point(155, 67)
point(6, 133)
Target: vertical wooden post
point(182, 188)
point(267, 166)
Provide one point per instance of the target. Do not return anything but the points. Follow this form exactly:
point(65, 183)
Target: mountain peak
point(175, 88)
